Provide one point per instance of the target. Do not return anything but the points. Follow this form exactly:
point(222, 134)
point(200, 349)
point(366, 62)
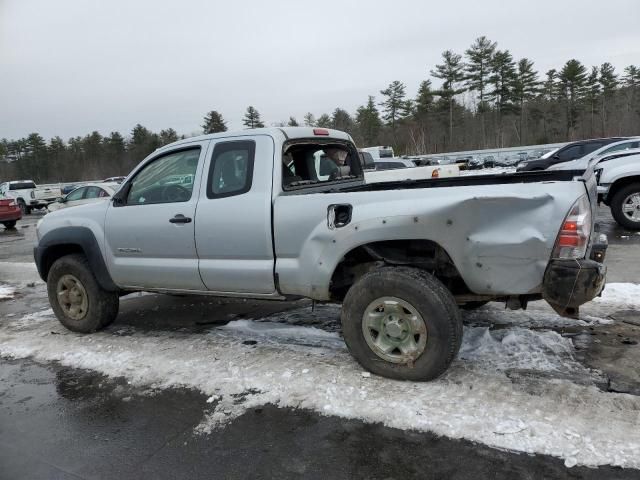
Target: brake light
point(320, 131)
point(435, 173)
point(573, 238)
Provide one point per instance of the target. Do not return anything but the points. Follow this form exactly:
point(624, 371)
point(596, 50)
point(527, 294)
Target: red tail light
point(320, 131)
point(573, 238)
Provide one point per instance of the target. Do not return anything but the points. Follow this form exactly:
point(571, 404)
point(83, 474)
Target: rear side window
point(231, 168)
point(389, 165)
point(308, 164)
point(21, 186)
point(570, 153)
point(591, 147)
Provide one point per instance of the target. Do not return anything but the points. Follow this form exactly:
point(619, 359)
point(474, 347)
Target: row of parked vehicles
point(616, 163)
point(21, 197)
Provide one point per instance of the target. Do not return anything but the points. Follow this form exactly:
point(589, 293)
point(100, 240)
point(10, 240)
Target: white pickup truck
point(29, 196)
point(261, 220)
point(619, 186)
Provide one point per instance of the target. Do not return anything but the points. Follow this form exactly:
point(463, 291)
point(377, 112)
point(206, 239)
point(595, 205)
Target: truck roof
point(285, 132)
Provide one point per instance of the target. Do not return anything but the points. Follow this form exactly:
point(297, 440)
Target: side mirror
point(556, 157)
point(61, 199)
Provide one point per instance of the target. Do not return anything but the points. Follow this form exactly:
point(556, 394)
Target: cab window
point(163, 180)
point(312, 164)
point(231, 168)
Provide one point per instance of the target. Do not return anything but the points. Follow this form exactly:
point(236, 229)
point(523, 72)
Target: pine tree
point(395, 105)
point(478, 68)
point(502, 79)
point(214, 123)
point(451, 72)
point(525, 89)
point(341, 120)
point(309, 120)
point(252, 118)
point(592, 95)
point(368, 121)
point(609, 83)
point(572, 79)
point(324, 121)
point(293, 122)
point(168, 136)
point(424, 102)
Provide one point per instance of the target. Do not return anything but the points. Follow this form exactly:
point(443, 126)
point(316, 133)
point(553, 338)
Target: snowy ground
point(516, 385)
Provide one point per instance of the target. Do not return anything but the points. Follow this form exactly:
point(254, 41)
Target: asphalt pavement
point(58, 422)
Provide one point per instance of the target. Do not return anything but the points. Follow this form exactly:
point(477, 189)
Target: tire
point(10, 224)
point(426, 296)
point(617, 203)
point(100, 308)
point(23, 207)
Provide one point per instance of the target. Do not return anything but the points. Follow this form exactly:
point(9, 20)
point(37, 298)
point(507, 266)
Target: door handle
point(179, 218)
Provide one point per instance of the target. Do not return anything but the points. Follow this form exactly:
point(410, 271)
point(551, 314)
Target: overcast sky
point(68, 67)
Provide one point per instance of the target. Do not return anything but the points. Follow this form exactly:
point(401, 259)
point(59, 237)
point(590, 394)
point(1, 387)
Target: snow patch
point(301, 366)
point(620, 296)
point(6, 292)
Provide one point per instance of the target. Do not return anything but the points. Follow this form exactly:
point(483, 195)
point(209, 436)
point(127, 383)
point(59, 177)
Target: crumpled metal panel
point(500, 237)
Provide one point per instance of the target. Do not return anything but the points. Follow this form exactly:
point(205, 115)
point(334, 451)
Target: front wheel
point(625, 206)
point(77, 299)
point(9, 225)
point(401, 323)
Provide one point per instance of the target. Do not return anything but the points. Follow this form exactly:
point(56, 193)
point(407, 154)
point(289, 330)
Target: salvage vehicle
point(619, 186)
point(259, 222)
point(10, 212)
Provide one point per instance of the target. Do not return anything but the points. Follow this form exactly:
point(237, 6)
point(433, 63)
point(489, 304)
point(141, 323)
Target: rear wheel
point(10, 224)
point(77, 299)
point(625, 206)
point(23, 207)
point(401, 323)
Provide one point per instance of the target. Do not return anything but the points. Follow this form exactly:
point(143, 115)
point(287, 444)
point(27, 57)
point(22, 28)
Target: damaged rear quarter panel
point(500, 236)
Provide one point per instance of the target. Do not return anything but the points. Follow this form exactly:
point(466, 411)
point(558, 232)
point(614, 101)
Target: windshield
point(549, 153)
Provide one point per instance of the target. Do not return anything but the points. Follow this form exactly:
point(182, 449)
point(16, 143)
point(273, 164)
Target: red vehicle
point(10, 212)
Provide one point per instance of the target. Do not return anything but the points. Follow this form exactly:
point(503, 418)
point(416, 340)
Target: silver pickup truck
point(284, 212)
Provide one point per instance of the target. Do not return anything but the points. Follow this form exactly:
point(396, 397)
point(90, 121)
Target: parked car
point(619, 187)
point(379, 152)
point(83, 195)
point(393, 163)
point(259, 222)
point(366, 160)
point(28, 196)
point(413, 173)
point(571, 151)
point(582, 163)
point(10, 212)
point(477, 162)
point(69, 188)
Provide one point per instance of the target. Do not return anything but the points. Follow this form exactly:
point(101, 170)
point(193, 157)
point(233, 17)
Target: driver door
point(149, 229)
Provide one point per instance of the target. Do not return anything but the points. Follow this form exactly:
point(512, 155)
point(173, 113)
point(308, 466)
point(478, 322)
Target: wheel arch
point(420, 253)
point(619, 184)
point(69, 240)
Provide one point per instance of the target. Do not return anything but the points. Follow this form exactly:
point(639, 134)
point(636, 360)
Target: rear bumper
point(569, 283)
point(10, 215)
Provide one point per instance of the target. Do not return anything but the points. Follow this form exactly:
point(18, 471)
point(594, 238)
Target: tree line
point(481, 98)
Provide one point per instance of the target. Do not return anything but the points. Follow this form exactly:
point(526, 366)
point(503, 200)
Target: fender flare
point(64, 240)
